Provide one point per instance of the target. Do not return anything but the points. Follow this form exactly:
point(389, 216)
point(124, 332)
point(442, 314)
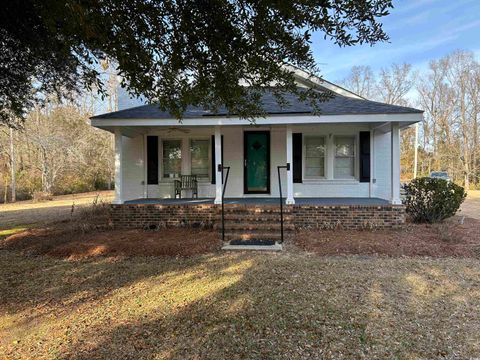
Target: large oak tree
point(173, 52)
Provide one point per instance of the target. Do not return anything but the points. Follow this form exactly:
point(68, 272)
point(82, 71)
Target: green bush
point(432, 200)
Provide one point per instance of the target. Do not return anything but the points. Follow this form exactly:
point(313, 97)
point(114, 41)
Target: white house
point(349, 154)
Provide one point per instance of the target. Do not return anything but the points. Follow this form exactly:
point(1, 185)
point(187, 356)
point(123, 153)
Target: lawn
point(287, 305)
point(67, 291)
point(60, 208)
point(471, 206)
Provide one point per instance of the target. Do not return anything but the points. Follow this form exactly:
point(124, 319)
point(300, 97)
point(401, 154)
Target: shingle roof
point(337, 105)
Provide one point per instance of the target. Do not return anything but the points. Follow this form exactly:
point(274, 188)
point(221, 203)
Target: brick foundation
point(143, 215)
point(349, 217)
point(301, 216)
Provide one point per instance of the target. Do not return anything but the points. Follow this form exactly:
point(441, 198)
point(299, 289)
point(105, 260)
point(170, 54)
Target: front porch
point(260, 217)
point(318, 161)
point(260, 201)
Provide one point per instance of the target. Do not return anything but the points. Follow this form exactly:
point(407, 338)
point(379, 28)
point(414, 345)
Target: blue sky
point(419, 30)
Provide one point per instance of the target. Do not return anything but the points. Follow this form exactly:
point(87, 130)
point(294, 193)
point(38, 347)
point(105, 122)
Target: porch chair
point(186, 182)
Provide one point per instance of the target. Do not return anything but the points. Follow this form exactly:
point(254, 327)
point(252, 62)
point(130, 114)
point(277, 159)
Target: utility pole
point(415, 159)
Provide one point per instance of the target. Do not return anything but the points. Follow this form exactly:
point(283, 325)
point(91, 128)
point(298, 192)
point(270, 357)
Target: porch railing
point(281, 196)
point(222, 168)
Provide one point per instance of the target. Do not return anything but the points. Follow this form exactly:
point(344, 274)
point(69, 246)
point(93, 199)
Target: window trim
point(208, 177)
point(354, 156)
point(182, 156)
point(304, 157)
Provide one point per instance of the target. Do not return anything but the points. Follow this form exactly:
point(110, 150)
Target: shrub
point(92, 217)
point(432, 200)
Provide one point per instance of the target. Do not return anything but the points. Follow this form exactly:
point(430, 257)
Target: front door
point(256, 175)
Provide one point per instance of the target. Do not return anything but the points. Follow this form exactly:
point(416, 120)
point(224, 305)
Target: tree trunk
point(13, 168)
point(5, 190)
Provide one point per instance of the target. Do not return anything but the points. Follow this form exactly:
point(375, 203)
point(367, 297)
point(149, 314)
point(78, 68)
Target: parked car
point(440, 175)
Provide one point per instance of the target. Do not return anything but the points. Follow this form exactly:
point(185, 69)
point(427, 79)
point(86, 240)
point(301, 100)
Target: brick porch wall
point(349, 217)
point(303, 217)
point(142, 215)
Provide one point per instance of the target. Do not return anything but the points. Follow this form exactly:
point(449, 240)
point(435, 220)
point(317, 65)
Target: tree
point(394, 83)
point(361, 81)
point(172, 52)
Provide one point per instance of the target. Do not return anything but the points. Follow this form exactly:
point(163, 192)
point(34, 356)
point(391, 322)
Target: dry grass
point(60, 208)
point(471, 206)
point(289, 305)
point(237, 306)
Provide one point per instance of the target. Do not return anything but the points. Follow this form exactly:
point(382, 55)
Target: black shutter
point(152, 160)
point(297, 157)
point(364, 156)
point(214, 170)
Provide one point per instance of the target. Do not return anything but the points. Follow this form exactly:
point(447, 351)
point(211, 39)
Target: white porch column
point(218, 161)
point(290, 200)
point(118, 167)
point(372, 163)
point(395, 163)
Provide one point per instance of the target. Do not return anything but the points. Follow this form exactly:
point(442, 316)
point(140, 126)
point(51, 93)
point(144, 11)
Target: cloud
point(417, 41)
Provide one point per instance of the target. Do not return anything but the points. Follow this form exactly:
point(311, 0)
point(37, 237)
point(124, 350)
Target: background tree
point(361, 81)
point(449, 93)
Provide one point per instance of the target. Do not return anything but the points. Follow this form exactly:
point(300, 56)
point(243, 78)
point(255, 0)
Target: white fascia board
point(315, 80)
point(269, 120)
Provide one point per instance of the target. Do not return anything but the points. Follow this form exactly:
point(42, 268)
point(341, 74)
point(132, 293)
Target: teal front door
point(256, 162)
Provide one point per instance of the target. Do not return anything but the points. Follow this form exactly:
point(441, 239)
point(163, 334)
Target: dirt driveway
point(471, 206)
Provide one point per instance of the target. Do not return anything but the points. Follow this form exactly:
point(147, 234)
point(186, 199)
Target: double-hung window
point(199, 150)
point(314, 157)
point(172, 158)
point(344, 165)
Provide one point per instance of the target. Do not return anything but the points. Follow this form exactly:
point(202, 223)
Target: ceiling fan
point(174, 129)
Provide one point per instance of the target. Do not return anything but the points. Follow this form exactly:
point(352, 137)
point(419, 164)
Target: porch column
point(118, 167)
point(218, 161)
point(290, 200)
point(395, 163)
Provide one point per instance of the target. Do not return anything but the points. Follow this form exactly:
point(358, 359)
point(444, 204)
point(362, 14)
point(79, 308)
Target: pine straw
point(239, 306)
point(62, 242)
point(448, 239)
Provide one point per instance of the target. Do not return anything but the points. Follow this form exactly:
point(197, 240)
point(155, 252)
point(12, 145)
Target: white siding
point(125, 101)
point(132, 168)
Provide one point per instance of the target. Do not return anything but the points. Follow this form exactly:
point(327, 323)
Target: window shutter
point(152, 160)
point(297, 157)
point(364, 156)
point(214, 169)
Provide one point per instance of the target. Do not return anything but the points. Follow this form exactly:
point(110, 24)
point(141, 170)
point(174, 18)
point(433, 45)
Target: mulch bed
point(451, 238)
point(62, 242)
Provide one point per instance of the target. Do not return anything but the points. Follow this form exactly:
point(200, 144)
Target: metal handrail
point(221, 168)
point(280, 196)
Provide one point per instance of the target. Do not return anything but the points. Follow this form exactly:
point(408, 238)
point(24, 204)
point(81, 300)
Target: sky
point(419, 31)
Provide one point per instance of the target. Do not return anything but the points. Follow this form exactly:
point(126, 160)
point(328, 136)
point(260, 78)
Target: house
point(343, 164)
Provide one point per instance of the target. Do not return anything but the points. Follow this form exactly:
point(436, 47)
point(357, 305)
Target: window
point(152, 159)
point(344, 157)
point(199, 157)
point(172, 158)
point(314, 156)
